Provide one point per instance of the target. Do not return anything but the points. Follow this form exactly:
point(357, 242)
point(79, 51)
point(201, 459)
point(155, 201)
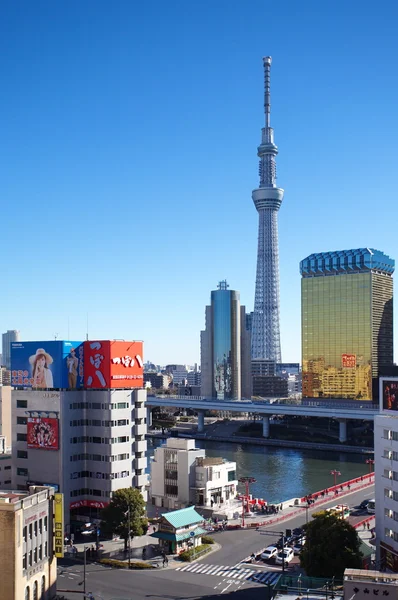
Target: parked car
point(298, 546)
point(270, 552)
point(285, 556)
point(297, 531)
point(364, 504)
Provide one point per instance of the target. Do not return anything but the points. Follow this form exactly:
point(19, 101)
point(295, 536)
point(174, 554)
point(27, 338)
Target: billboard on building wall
point(43, 433)
point(113, 364)
point(389, 394)
point(47, 365)
point(87, 503)
point(349, 361)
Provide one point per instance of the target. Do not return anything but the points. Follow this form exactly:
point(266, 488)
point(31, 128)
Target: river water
point(283, 473)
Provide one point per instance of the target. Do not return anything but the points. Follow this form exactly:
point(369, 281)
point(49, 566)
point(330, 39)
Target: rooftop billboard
point(389, 394)
point(47, 365)
point(113, 364)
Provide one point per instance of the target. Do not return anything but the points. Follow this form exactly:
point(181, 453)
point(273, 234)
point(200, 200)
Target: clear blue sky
point(128, 157)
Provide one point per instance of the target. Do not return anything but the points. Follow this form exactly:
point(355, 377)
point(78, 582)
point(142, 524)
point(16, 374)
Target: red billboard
point(113, 364)
point(349, 361)
point(43, 433)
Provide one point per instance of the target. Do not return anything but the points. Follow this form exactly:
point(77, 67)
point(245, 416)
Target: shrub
point(206, 539)
point(187, 555)
point(119, 564)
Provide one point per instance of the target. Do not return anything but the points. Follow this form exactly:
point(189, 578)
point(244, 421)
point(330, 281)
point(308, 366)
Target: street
point(220, 573)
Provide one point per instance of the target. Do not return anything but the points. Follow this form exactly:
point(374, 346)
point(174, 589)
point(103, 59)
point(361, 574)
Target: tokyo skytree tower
point(267, 199)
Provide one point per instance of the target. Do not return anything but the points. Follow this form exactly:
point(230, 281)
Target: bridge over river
point(339, 410)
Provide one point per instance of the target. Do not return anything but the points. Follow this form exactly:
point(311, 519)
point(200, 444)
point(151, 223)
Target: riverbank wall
point(265, 442)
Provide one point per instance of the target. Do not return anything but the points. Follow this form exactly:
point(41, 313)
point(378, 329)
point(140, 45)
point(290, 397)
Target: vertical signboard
point(113, 364)
point(59, 525)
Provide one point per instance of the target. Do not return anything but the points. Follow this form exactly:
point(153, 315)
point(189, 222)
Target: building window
point(45, 550)
point(30, 531)
point(22, 404)
point(22, 472)
point(231, 475)
point(22, 454)
point(27, 593)
point(7, 468)
point(41, 552)
point(41, 526)
point(21, 437)
point(22, 420)
point(24, 559)
point(171, 490)
point(35, 528)
point(43, 587)
point(45, 526)
point(30, 558)
point(35, 591)
point(96, 492)
point(25, 533)
point(35, 555)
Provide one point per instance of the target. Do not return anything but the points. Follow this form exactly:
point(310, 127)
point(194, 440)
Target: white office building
point(386, 475)
point(87, 443)
point(181, 475)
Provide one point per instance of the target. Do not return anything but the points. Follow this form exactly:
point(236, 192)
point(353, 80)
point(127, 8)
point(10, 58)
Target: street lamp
point(247, 481)
point(370, 462)
point(336, 474)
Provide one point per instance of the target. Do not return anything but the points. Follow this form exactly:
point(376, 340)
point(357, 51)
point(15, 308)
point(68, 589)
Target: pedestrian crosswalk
point(243, 574)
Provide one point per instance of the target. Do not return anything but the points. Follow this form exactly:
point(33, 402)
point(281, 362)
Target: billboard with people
point(389, 394)
point(43, 433)
point(47, 365)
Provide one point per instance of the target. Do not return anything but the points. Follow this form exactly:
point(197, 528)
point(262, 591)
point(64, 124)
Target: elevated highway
point(307, 408)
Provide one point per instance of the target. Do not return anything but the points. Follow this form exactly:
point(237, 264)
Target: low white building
point(181, 475)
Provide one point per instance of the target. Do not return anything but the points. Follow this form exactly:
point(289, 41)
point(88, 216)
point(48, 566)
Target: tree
point(116, 518)
point(332, 545)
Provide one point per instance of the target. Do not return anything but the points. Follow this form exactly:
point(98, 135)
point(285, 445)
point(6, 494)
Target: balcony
point(140, 446)
point(140, 413)
point(141, 480)
point(140, 463)
point(140, 429)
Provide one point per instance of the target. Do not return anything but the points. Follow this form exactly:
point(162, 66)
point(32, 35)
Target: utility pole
point(129, 537)
point(84, 572)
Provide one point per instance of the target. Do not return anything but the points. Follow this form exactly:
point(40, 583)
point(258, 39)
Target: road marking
point(225, 589)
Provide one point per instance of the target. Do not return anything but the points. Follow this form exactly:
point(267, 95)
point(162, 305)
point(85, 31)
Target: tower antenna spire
point(267, 199)
point(267, 60)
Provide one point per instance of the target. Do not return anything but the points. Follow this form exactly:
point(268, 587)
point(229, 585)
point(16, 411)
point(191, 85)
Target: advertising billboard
point(43, 433)
point(87, 503)
point(349, 361)
point(113, 364)
point(47, 365)
point(389, 394)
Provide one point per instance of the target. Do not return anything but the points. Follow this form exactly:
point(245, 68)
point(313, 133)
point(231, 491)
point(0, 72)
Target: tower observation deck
point(267, 199)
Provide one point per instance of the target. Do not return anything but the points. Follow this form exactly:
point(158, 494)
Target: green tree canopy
point(116, 517)
point(332, 545)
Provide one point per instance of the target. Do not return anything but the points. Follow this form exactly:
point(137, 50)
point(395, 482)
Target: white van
point(371, 507)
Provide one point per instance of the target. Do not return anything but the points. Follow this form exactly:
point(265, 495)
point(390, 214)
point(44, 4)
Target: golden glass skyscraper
point(347, 322)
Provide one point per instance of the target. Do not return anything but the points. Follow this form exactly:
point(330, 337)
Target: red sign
point(349, 361)
point(87, 503)
point(43, 433)
point(113, 364)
